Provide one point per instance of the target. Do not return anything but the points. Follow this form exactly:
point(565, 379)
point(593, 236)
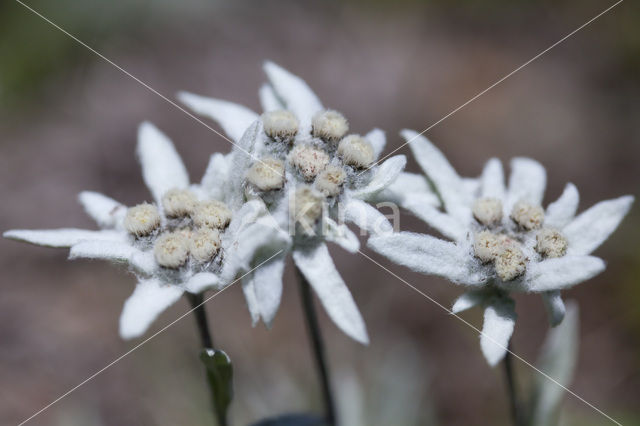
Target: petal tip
point(146, 126)
point(269, 66)
point(185, 97)
point(408, 133)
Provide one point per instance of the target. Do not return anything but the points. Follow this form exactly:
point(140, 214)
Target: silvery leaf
point(558, 359)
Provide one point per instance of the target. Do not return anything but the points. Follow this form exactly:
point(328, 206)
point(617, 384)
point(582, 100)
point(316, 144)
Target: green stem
point(516, 415)
point(317, 347)
point(206, 338)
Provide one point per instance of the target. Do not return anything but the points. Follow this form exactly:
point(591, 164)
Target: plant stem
point(317, 348)
point(511, 388)
point(196, 301)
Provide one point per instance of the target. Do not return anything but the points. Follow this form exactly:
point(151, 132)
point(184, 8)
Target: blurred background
point(68, 123)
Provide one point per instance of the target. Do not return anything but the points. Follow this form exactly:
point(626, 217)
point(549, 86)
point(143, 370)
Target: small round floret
point(551, 243)
point(306, 208)
point(330, 181)
point(308, 160)
point(178, 202)
point(266, 174)
point(204, 244)
point(329, 125)
point(171, 250)
point(142, 220)
point(527, 216)
point(486, 246)
point(488, 211)
point(510, 262)
point(356, 151)
point(211, 214)
point(280, 125)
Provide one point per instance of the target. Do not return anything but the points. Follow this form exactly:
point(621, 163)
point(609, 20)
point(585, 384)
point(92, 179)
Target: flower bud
point(330, 181)
point(488, 211)
point(308, 160)
point(356, 151)
point(266, 174)
point(204, 244)
point(527, 216)
point(211, 214)
point(510, 262)
point(329, 125)
point(171, 250)
point(142, 219)
point(280, 125)
point(551, 243)
point(486, 246)
point(178, 202)
point(306, 208)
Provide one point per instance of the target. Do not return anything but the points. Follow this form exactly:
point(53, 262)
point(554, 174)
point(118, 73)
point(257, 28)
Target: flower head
point(298, 158)
point(501, 239)
point(184, 241)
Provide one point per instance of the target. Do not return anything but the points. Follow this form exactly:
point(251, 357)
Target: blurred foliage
point(628, 290)
point(31, 50)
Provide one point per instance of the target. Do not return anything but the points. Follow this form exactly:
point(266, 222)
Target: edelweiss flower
point(299, 158)
point(502, 240)
point(185, 241)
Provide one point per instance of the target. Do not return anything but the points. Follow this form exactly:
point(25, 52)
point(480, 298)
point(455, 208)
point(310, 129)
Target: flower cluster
point(502, 239)
point(184, 241)
point(296, 175)
point(301, 161)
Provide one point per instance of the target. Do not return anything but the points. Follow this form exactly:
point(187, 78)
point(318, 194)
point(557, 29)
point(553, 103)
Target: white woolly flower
point(323, 183)
point(186, 241)
point(500, 239)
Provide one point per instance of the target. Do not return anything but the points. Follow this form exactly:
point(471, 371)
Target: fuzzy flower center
point(190, 237)
point(319, 163)
point(502, 245)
